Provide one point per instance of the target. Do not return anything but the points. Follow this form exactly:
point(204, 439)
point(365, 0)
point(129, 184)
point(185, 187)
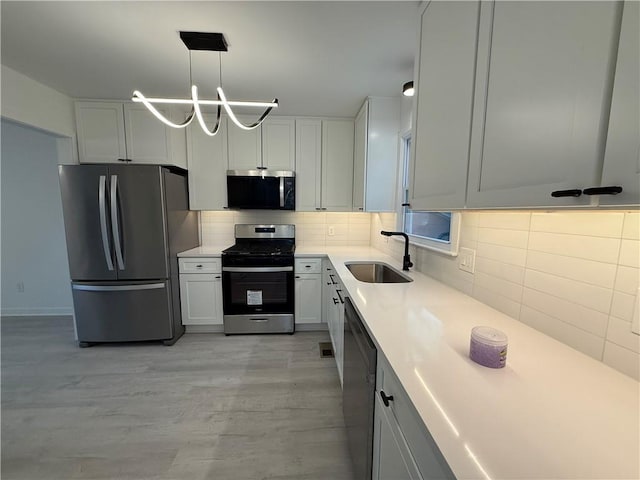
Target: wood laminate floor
point(210, 407)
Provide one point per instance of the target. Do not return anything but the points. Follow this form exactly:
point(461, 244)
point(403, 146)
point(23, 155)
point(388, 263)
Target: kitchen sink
point(376, 272)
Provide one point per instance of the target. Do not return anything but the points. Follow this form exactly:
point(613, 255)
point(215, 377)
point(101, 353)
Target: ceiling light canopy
point(214, 42)
point(407, 89)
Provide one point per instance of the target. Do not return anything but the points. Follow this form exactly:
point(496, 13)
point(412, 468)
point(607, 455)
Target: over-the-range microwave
point(261, 189)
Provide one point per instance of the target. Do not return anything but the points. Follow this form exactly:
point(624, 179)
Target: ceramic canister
point(488, 347)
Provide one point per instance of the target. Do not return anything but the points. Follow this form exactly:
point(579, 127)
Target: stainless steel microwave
point(261, 189)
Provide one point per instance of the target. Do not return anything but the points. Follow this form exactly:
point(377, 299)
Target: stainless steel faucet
point(406, 260)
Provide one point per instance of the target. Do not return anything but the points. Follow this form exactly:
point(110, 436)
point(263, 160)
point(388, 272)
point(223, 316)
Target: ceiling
point(318, 58)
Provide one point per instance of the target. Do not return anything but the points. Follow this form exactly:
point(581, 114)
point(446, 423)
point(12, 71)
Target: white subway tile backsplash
point(622, 359)
point(600, 249)
point(510, 255)
point(627, 279)
point(622, 305)
point(577, 315)
point(630, 253)
point(510, 290)
point(620, 333)
point(504, 237)
point(631, 228)
point(505, 271)
point(577, 338)
point(588, 271)
point(506, 220)
point(593, 224)
point(584, 294)
point(497, 301)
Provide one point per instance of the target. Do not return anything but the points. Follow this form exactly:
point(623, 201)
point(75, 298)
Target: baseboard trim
point(204, 328)
point(35, 312)
point(311, 327)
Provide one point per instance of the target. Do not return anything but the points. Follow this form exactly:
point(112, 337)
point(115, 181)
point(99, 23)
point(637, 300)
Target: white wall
point(26, 101)
point(570, 274)
point(33, 248)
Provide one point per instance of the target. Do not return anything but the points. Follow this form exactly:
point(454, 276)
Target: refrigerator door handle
point(115, 221)
point(102, 196)
point(117, 288)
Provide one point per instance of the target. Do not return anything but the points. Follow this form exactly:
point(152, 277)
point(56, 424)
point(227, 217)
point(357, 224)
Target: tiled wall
point(312, 228)
point(573, 275)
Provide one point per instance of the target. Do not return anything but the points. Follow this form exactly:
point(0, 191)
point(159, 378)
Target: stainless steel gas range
point(258, 281)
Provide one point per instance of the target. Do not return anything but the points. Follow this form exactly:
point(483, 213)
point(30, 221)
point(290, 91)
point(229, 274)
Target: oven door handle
point(257, 269)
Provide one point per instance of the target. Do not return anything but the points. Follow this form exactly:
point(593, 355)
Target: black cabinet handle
point(122, 159)
point(612, 190)
point(567, 193)
point(386, 398)
point(218, 276)
point(340, 296)
point(405, 204)
point(297, 276)
point(335, 301)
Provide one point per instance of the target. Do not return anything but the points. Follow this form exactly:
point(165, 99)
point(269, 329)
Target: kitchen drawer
point(423, 448)
point(200, 265)
point(308, 265)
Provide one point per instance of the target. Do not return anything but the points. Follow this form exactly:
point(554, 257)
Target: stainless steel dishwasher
point(358, 391)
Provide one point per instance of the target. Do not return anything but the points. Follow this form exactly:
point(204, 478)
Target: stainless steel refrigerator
point(125, 225)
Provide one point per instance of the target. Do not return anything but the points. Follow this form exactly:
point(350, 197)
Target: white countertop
point(551, 413)
point(204, 251)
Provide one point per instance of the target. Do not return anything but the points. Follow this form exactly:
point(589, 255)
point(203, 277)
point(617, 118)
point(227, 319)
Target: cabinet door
point(359, 156)
point(308, 303)
point(100, 127)
point(381, 168)
point(391, 457)
point(622, 156)
point(279, 143)
point(308, 164)
point(542, 89)
point(201, 299)
point(443, 105)
point(148, 139)
point(207, 162)
point(245, 146)
point(337, 165)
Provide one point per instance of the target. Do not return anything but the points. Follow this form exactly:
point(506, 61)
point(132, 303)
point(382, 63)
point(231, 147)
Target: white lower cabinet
point(402, 445)
point(308, 279)
point(333, 302)
point(201, 292)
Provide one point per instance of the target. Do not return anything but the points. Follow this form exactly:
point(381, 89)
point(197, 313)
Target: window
point(432, 230)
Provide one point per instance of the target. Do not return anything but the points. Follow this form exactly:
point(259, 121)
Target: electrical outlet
point(331, 231)
point(635, 322)
point(467, 260)
point(20, 286)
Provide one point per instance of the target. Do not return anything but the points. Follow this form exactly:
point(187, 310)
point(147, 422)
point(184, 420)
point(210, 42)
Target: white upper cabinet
point(245, 146)
point(622, 155)
point(100, 127)
point(270, 146)
point(207, 161)
point(148, 139)
point(542, 92)
point(278, 143)
point(442, 106)
point(324, 164)
point(375, 155)
point(126, 132)
point(337, 165)
point(308, 164)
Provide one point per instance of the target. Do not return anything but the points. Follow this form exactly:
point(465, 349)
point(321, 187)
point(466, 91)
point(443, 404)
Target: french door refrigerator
point(125, 225)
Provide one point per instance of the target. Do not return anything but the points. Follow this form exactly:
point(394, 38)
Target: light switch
point(331, 231)
point(635, 322)
point(467, 260)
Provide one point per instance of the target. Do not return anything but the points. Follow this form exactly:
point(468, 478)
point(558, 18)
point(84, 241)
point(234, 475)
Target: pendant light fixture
point(407, 89)
point(214, 42)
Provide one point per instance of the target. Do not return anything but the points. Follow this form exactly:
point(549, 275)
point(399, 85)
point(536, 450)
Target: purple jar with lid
point(488, 347)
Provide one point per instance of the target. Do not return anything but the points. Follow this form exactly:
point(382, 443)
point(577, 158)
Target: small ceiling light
point(407, 89)
point(214, 42)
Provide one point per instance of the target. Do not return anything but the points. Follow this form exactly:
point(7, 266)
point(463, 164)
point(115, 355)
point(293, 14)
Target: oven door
point(258, 290)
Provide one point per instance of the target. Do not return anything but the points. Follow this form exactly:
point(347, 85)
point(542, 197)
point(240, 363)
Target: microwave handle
point(281, 192)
